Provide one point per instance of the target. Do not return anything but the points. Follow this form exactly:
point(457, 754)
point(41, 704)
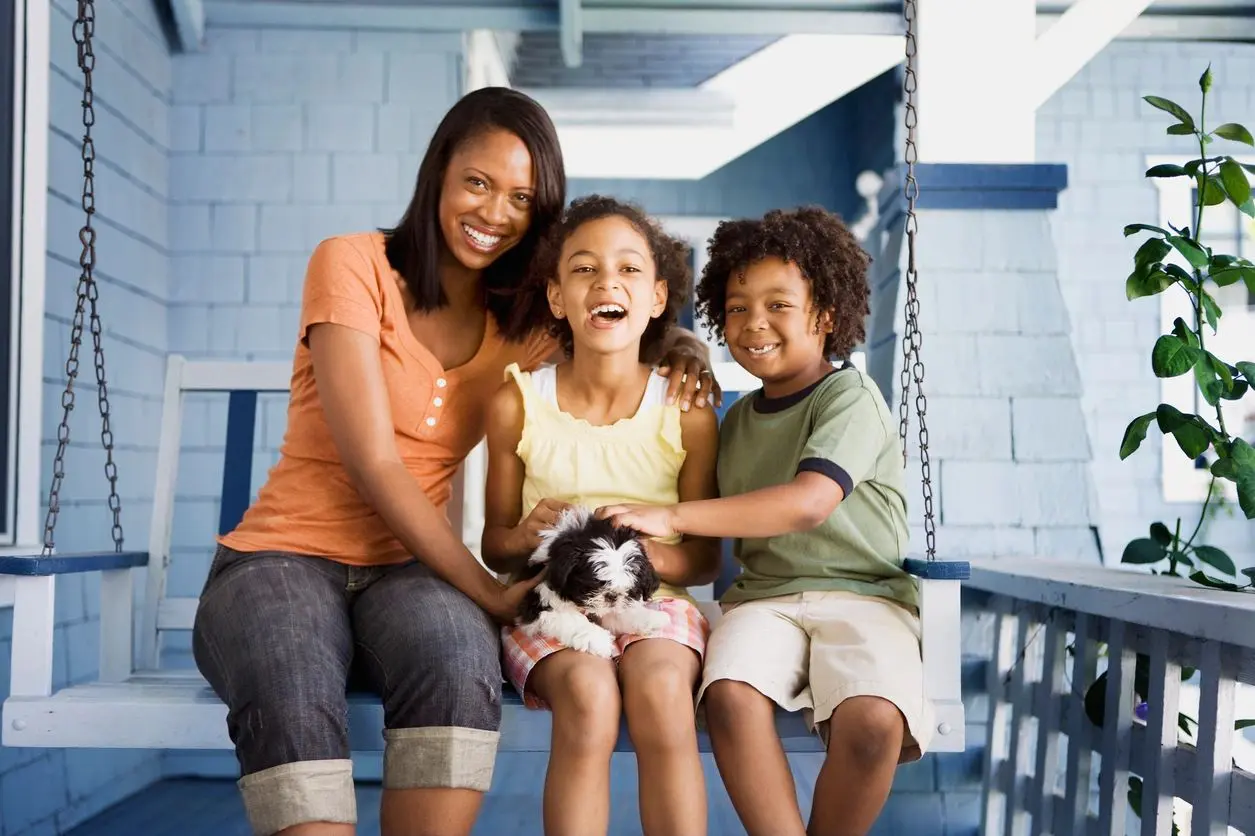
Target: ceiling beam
point(189, 23)
point(1082, 32)
point(578, 107)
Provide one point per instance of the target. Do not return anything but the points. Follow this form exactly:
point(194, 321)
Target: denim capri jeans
point(281, 637)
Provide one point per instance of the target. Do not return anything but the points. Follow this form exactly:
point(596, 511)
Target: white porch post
point(973, 61)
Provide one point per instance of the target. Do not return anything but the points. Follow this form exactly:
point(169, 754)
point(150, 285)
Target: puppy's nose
point(612, 597)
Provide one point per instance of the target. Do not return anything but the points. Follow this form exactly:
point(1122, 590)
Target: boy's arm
point(841, 451)
point(507, 542)
point(694, 560)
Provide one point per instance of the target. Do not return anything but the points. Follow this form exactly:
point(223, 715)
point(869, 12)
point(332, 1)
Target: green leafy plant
point(1217, 179)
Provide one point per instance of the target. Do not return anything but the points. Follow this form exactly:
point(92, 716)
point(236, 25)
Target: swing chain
point(87, 294)
point(912, 339)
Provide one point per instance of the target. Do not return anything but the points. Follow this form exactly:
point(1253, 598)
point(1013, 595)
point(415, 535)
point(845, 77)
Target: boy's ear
point(823, 325)
point(660, 299)
point(553, 292)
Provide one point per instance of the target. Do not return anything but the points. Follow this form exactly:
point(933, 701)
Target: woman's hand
point(651, 520)
point(505, 608)
point(690, 377)
point(543, 516)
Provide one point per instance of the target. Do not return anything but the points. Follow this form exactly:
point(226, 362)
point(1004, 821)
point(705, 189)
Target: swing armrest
point(938, 570)
point(68, 564)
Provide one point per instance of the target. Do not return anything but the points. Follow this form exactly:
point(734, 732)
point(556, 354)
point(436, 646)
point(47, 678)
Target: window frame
point(23, 215)
point(1180, 480)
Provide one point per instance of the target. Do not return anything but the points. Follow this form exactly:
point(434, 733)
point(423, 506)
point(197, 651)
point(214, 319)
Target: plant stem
point(1196, 299)
point(1202, 515)
point(1176, 542)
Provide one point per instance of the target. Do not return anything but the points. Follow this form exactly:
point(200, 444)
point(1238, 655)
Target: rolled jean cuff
point(445, 757)
point(299, 793)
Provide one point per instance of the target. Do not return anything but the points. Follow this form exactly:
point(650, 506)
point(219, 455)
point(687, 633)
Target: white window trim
point(30, 125)
point(1180, 480)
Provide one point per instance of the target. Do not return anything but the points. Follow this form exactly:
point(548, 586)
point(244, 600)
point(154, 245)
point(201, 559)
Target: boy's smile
point(772, 328)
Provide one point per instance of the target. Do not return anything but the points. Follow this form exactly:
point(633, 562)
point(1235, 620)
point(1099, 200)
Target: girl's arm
point(799, 505)
point(355, 402)
point(506, 541)
point(695, 559)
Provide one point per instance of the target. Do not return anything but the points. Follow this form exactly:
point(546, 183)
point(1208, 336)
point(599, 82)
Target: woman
point(347, 562)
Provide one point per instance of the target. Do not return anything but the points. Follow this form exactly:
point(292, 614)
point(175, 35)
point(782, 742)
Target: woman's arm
point(355, 401)
point(508, 541)
point(799, 505)
point(695, 559)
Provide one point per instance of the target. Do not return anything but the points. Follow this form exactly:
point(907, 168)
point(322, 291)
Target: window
point(1227, 231)
point(23, 216)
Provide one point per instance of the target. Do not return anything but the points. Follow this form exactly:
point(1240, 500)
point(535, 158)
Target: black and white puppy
point(598, 583)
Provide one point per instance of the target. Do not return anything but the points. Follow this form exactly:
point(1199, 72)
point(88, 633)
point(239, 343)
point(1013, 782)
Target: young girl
point(822, 617)
point(596, 430)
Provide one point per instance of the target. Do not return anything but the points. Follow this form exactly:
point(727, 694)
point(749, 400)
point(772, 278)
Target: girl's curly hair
point(671, 265)
point(823, 248)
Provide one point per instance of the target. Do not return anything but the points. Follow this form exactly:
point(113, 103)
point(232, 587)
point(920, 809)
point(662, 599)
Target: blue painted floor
point(193, 807)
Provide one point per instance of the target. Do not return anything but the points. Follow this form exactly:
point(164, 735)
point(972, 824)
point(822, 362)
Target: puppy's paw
point(597, 642)
point(638, 620)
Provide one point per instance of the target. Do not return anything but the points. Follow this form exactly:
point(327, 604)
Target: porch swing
point(136, 704)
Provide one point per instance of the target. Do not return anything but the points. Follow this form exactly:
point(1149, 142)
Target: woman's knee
point(868, 730)
point(658, 701)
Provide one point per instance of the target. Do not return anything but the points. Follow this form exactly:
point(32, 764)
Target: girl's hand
point(651, 520)
point(505, 608)
point(689, 379)
point(543, 516)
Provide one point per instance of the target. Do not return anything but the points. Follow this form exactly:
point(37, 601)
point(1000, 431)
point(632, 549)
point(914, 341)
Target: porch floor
point(199, 807)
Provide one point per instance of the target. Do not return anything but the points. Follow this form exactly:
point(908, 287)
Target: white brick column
point(1009, 448)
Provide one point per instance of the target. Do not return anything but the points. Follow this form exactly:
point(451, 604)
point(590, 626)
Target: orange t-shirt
point(308, 505)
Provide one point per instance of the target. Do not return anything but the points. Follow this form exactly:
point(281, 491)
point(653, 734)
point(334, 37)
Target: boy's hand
point(543, 516)
point(689, 381)
point(651, 520)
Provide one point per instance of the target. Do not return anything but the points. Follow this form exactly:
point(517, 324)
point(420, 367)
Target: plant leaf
point(1166, 170)
point(1192, 440)
point(1133, 229)
point(1238, 725)
point(1151, 251)
point(1247, 369)
point(1203, 580)
point(1250, 573)
point(1183, 332)
point(1169, 106)
point(1196, 257)
point(1169, 417)
point(1235, 182)
point(1216, 559)
point(1211, 311)
point(1160, 534)
point(1236, 392)
point(1213, 191)
point(1246, 496)
point(1227, 276)
point(1148, 283)
point(1235, 133)
point(1135, 434)
point(1143, 551)
point(1096, 700)
point(1181, 130)
point(1171, 357)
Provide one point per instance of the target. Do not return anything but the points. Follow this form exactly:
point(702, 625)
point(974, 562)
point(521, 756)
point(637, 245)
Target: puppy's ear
point(647, 580)
point(560, 564)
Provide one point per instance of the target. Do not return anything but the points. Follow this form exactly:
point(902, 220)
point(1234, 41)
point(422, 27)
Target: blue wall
point(815, 161)
point(41, 790)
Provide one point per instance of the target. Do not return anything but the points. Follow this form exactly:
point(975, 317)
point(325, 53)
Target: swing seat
point(136, 704)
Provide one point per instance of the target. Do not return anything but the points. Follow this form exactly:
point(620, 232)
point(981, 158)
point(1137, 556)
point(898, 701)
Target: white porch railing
point(1048, 767)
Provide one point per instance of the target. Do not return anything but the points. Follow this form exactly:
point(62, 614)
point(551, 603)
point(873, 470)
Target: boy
point(822, 618)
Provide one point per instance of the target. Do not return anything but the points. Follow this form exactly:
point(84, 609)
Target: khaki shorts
point(811, 651)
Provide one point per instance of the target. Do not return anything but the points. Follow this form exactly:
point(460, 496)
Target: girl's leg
point(658, 677)
point(272, 637)
point(435, 659)
point(755, 771)
point(864, 743)
point(583, 693)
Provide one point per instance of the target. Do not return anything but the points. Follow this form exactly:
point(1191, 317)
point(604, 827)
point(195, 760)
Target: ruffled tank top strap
point(533, 403)
point(668, 415)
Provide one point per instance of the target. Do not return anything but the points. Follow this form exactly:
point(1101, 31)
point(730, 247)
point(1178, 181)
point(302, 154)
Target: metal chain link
point(87, 295)
point(912, 339)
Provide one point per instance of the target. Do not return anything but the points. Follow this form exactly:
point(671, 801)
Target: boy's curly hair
point(671, 265)
point(823, 248)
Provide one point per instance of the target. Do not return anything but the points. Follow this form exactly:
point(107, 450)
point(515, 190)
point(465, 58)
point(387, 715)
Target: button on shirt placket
point(437, 402)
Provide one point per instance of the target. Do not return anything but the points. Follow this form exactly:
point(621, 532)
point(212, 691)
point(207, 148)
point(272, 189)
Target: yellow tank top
point(635, 459)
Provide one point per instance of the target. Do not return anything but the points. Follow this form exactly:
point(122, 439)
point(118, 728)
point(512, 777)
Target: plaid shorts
point(522, 652)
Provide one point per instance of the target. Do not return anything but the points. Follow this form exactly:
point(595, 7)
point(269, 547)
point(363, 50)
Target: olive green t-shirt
point(841, 428)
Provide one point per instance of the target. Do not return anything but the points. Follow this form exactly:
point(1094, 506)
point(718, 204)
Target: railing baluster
point(1117, 733)
point(1046, 707)
point(1161, 731)
point(1028, 648)
point(1006, 624)
point(1216, 709)
point(1080, 754)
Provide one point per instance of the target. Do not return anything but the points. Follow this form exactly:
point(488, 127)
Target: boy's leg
point(658, 677)
point(756, 660)
point(865, 741)
point(867, 680)
point(583, 693)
